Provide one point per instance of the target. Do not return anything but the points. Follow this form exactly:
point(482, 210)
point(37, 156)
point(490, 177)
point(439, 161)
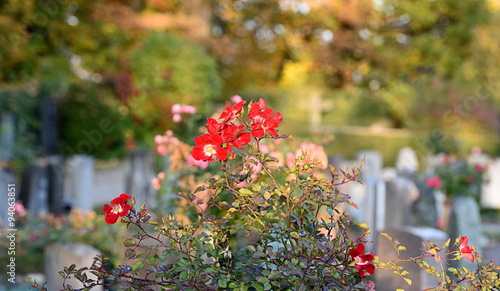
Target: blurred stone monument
point(465, 220)
point(412, 238)
point(140, 175)
point(49, 132)
point(490, 192)
point(58, 256)
point(401, 190)
point(7, 137)
point(55, 177)
point(373, 202)
point(354, 190)
point(81, 181)
point(34, 189)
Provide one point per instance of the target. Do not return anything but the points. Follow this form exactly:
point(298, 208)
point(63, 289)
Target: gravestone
point(424, 211)
point(139, 178)
point(55, 176)
point(465, 220)
point(355, 190)
point(58, 256)
point(490, 192)
point(34, 189)
point(7, 137)
point(49, 119)
point(373, 203)
point(6, 178)
point(401, 190)
point(412, 238)
point(109, 182)
point(401, 194)
point(81, 181)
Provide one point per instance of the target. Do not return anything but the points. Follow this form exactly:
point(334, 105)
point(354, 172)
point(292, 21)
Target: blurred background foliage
point(361, 74)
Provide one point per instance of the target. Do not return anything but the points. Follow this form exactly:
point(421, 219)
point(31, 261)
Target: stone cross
point(317, 107)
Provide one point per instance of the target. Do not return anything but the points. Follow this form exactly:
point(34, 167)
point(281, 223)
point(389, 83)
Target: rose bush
point(261, 223)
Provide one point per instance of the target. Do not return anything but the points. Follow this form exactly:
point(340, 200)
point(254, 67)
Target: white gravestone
point(373, 203)
point(81, 178)
point(490, 193)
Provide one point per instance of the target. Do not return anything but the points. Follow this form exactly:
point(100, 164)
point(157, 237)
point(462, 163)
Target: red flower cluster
point(362, 260)
point(224, 135)
point(264, 119)
point(119, 207)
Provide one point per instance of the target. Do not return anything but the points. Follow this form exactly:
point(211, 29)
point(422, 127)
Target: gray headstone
point(109, 182)
point(139, 178)
point(372, 168)
point(424, 211)
point(7, 137)
point(49, 118)
point(401, 193)
point(412, 238)
point(81, 177)
point(465, 220)
point(58, 256)
point(55, 176)
point(34, 189)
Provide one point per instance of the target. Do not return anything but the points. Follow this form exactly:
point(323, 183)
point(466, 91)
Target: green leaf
point(222, 283)
point(263, 280)
point(258, 287)
point(129, 242)
point(245, 192)
point(183, 262)
point(137, 266)
point(151, 260)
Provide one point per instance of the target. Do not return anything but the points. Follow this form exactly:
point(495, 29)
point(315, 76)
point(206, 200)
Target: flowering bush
point(456, 177)
point(262, 223)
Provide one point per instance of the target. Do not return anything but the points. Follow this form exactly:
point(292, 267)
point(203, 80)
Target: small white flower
point(227, 253)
